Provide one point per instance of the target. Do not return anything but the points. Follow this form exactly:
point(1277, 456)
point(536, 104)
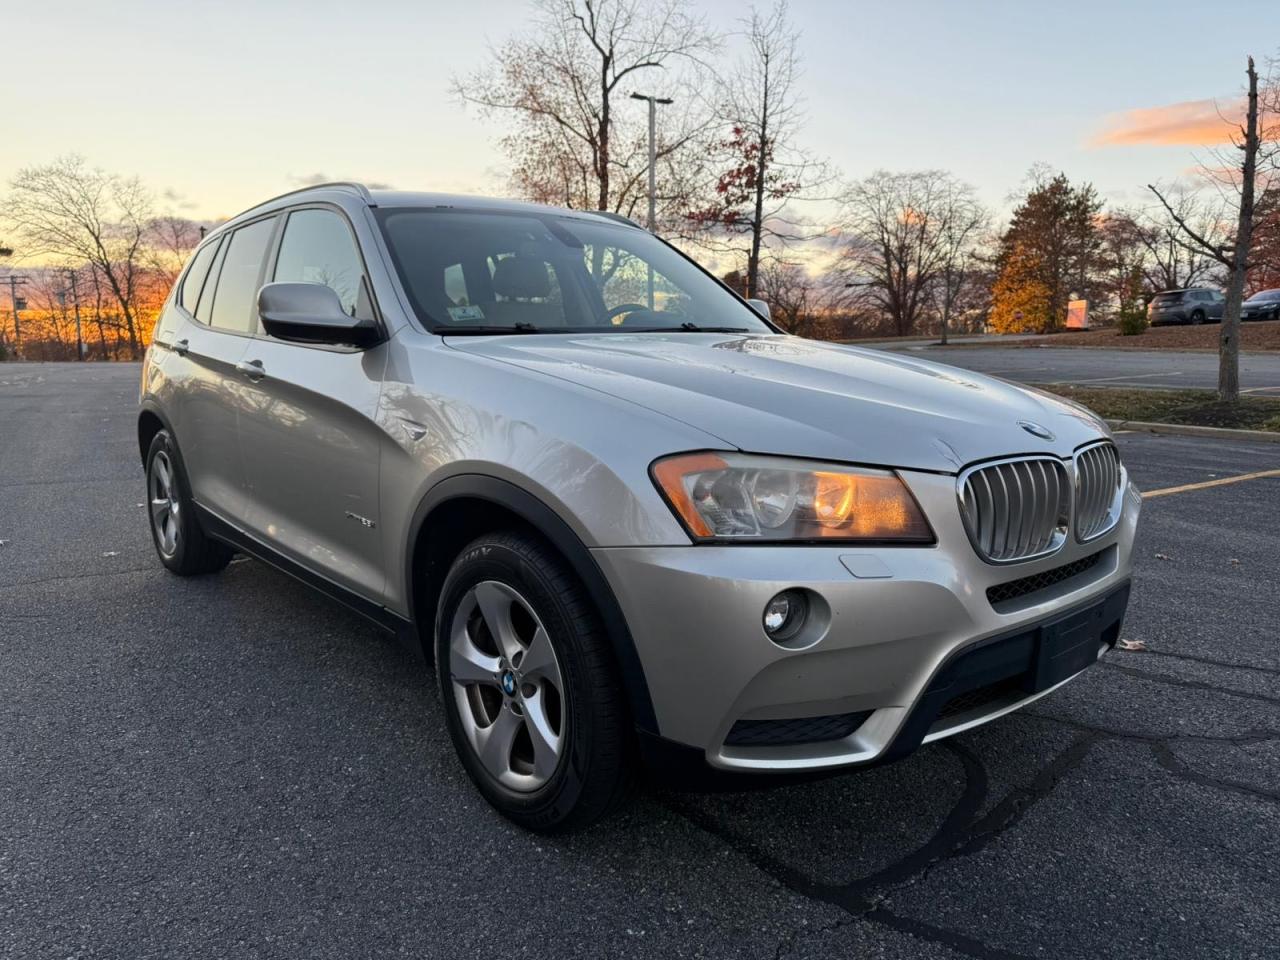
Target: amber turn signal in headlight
point(731, 496)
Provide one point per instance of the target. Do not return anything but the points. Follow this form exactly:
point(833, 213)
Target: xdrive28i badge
point(1036, 430)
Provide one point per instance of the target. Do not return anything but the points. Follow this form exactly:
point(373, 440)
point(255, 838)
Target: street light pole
point(653, 153)
point(653, 172)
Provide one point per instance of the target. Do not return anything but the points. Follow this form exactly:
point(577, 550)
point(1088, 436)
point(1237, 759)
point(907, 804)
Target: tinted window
point(194, 280)
point(233, 304)
point(549, 271)
point(318, 248)
point(205, 306)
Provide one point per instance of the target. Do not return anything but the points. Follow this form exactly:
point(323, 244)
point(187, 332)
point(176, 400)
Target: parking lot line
point(1187, 487)
point(1131, 376)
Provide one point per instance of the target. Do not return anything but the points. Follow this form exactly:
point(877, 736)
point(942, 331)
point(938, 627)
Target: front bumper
point(896, 620)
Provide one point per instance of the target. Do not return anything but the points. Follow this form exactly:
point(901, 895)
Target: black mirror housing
point(311, 313)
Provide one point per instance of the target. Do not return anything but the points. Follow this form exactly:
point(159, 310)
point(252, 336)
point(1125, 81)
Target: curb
point(1187, 430)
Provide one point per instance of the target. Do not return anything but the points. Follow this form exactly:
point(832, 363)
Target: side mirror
point(760, 307)
point(311, 313)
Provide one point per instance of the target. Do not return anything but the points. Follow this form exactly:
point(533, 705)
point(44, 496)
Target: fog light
point(784, 615)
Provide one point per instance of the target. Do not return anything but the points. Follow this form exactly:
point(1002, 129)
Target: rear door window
point(234, 304)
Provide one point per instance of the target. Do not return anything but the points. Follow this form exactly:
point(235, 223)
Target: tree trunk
point(1229, 336)
point(946, 303)
point(603, 137)
point(762, 169)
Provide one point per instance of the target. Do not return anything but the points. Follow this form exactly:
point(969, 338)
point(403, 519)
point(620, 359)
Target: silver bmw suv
point(633, 525)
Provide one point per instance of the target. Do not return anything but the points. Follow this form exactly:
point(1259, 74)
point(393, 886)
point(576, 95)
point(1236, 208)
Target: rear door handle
point(181, 347)
point(251, 369)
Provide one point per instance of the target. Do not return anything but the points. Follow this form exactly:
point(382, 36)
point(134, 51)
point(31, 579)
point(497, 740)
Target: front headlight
point(730, 496)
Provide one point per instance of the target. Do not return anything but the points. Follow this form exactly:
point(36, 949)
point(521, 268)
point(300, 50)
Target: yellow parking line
point(1148, 494)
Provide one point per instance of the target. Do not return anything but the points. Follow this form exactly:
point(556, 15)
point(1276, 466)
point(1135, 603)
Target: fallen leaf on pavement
point(1163, 556)
point(1136, 646)
point(111, 553)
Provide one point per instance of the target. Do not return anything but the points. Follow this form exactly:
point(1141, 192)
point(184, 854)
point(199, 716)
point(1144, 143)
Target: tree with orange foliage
point(1020, 301)
point(1049, 250)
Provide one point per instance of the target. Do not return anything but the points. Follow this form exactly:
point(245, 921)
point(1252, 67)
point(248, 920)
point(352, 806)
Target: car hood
point(805, 398)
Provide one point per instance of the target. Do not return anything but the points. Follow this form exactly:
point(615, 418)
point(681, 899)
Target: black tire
point(1197, 317)
point(191, 553)
point(596, 771)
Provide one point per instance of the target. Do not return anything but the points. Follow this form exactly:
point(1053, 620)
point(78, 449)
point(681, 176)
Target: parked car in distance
point(1192, 305)
point(1263, 305)
point(627, 519)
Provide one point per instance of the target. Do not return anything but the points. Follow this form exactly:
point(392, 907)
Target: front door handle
point(251, 369)
point(181, 347)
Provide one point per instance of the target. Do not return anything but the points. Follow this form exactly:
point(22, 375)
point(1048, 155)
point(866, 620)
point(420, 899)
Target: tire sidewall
point(163, 441)
point(492, 559)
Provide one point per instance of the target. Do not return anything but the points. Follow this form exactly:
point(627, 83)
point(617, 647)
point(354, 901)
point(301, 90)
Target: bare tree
point(1172, 264)
point(1256, 144)
point(170, 240)
point(1123, 257)
point(963, 221)
point(763, 166)
point(563, 84)
point(907, 232)
point(70, 212)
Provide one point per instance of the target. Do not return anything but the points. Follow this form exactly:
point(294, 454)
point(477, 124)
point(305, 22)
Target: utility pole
point(75, 302)
point(19, 304)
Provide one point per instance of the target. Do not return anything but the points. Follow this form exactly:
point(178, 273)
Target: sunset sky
point(223, 104)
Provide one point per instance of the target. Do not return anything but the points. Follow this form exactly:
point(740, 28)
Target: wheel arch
point(150, 422)
point(457, 510)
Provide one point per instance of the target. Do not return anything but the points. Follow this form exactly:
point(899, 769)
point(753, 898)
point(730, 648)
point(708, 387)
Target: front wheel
point(531, 694)
point(1197, 318)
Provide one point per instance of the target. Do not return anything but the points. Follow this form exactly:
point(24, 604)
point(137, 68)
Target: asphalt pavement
point(233, 766)
point(1259, 372)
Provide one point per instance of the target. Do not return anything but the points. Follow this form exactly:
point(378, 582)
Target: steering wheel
point(625, 308)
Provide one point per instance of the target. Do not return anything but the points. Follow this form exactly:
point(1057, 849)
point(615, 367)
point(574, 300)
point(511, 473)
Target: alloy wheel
point(507, 686)
point(166, 507)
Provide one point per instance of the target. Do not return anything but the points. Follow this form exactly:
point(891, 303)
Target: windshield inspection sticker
point(466, 313)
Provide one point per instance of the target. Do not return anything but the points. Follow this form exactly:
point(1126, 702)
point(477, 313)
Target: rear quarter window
point(193, 279)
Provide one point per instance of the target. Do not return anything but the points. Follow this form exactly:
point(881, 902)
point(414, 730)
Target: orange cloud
point(1193, 123)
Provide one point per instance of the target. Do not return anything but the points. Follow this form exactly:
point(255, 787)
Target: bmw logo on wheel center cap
point(509, 683)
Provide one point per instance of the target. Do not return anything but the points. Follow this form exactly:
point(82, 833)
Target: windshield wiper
point(685, 327)
point(491, 329)
point(694, 328)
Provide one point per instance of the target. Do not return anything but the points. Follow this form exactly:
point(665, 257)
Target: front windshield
point(479, 272)
point(1266, 296)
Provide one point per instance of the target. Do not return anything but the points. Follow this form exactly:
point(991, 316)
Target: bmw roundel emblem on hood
point(1036, 430)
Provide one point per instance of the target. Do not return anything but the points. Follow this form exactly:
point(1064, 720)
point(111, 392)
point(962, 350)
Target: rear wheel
point(175, 530)
point(531, 695)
